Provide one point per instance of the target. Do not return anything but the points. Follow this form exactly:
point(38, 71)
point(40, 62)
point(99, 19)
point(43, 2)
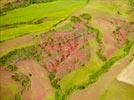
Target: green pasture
point(20, 19)
point(110, 7)
point(54, 10)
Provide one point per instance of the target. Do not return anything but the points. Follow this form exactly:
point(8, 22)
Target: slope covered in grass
point(25, 20)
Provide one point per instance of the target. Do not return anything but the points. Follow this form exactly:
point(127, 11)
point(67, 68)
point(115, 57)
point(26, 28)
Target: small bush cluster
point(86, 16)
point(11, 68)
point(23, 79)
point(54, 81)
point(31, 52)
point(100, 55)
point(18, 96)
point(55, 84)
point(131, 2)
point(75, 19)
point(51, 76)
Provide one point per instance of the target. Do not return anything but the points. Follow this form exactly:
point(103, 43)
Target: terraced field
point(66, 49)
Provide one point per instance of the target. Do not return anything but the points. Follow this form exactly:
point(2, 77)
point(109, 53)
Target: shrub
point(100, 55)
point(86, 16)
point(128, 46)
point(18, 96)
point(131, 2)
point(11, 68)
point(55, 84)
point(75, 19)
point(51, 76)
point(23, 79)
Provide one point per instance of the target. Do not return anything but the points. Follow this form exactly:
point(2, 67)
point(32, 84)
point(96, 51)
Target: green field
point(20, 19)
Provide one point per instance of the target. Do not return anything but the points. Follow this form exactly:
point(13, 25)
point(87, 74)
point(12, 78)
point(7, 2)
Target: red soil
point(5, 82)
point(62, 50)
point(121, 36)
point(109, 41)
point(119, 22)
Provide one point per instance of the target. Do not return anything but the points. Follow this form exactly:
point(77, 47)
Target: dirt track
point(14, 43)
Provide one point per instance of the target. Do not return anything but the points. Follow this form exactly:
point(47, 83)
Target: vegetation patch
point(20, 54)
point(23, 79)
point(63, 93)
point(19, 18)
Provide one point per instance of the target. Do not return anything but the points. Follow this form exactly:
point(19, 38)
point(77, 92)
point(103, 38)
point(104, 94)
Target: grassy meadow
point(21, 20)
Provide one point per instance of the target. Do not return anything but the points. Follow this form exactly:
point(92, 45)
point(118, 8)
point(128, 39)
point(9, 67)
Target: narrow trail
point(14, 43)
point(94, 91)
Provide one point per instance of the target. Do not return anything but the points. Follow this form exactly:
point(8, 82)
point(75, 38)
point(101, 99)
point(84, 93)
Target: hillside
point(65, 49)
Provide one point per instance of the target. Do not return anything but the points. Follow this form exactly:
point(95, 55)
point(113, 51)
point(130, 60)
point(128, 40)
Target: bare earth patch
point(14, 43)
point(8, 87)
point(127, 75)
point(106, 24)
point(40, 84)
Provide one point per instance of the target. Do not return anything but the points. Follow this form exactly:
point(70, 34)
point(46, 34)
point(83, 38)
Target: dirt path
point(94, 91)
point(14, 43)
point(40, 84)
